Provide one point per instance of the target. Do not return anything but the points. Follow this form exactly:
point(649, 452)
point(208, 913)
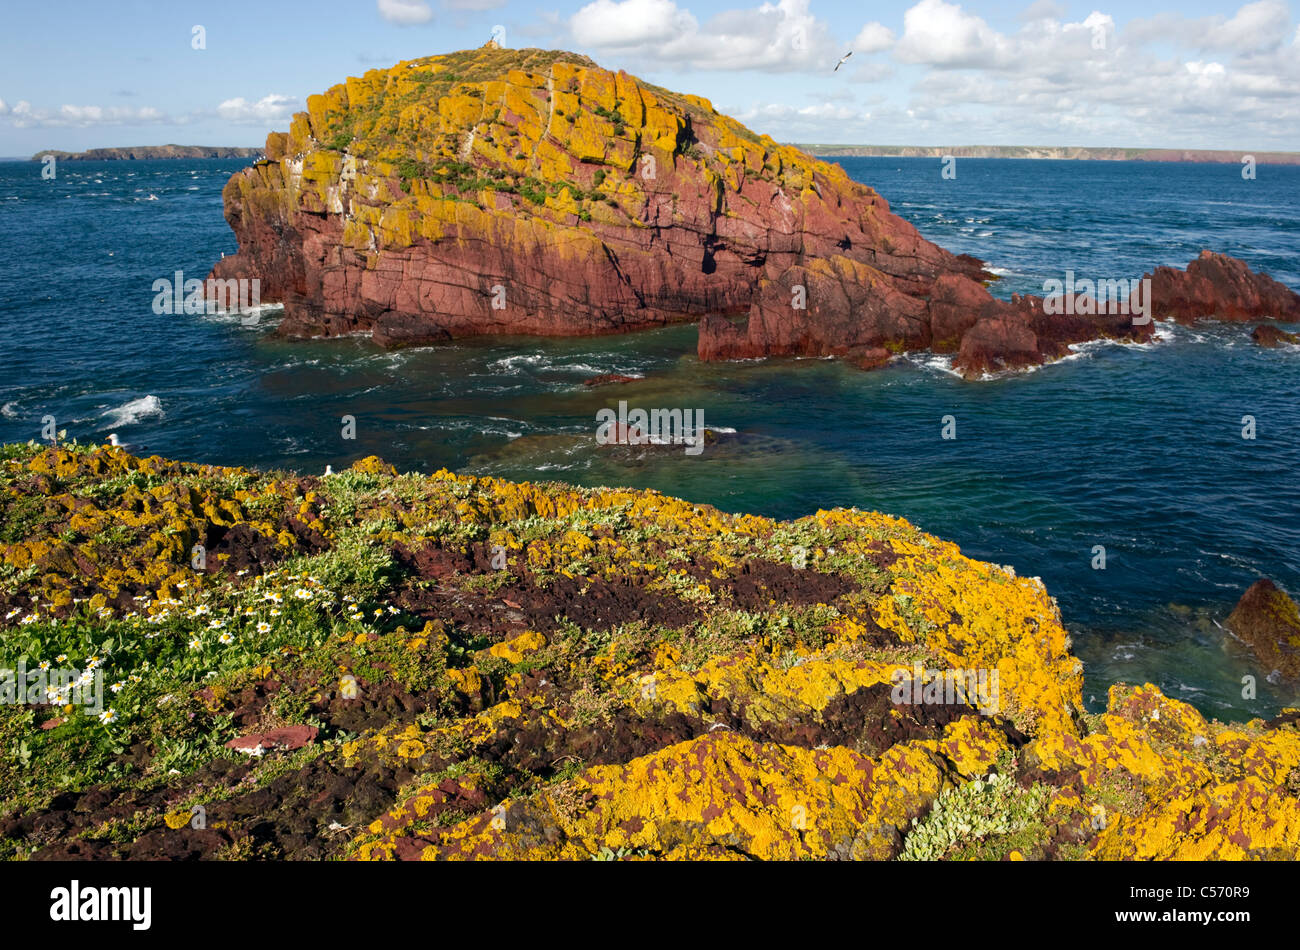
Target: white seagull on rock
point(117, 443)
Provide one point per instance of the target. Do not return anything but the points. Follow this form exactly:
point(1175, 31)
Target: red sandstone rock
point(997, 342)
point(870, 357)
point(725, 210)
point(1266, 335)
point(288, 738)
point(772, 252)
point(1222, 287)
point(1268, 620)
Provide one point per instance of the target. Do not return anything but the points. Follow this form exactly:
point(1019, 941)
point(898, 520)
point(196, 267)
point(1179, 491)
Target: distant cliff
point(1057, 152)
point(150, 151)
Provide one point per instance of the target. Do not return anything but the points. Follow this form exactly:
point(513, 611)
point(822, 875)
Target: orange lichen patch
point(142, 538)
point(1226, 821)
point(710, 796)
point(734, 719)
point(764, 692)
point(517, 648)
point(979, 617)
point(516, 130)
point(1196, 789)
point(972, 744)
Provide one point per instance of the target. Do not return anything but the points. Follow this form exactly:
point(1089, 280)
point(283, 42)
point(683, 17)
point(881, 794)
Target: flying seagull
point(126, 446)
point(843, 60)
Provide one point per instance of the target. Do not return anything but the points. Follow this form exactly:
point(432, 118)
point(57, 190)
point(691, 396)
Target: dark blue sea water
point(1136, 448)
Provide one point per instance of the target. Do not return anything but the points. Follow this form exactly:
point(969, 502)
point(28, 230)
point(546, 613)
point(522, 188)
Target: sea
point(1135, 449)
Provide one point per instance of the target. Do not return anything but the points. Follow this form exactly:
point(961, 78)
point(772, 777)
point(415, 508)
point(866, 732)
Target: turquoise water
point(1136, 448)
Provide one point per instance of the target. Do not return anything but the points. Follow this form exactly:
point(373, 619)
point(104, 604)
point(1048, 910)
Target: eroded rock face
point(1222, 287)
point(502, 191)
point(1269, 621)
point(532, 192)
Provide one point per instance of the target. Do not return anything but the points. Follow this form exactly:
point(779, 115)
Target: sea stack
point(497, 191)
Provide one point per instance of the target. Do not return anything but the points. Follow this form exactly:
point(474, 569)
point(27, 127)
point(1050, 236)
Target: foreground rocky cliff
point(377, 666)
point(528, 191)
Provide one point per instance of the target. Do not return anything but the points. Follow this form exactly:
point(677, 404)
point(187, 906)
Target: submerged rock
point(1267, 335)
point(1269, 621)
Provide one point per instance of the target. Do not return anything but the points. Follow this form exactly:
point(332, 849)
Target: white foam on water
point(938, 362)
point(9, 411)
point(511, 364)
point(129, 413)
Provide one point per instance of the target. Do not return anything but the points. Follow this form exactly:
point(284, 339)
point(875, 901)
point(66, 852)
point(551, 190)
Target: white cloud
point(1214, 82)
point(872, 72)
point(618, 25)
point(1258, 26)
point(1044, 10)
point(1255, 26)
point(269, 108)
point(823, 122)
point(24, 116)
point(943, 34)
point(405, 12)
point(776, 37)
point(873, 38)
point(473, 4)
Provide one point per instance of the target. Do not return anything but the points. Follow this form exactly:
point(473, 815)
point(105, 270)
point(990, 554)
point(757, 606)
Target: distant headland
point(141, 152)
point(1057, 152)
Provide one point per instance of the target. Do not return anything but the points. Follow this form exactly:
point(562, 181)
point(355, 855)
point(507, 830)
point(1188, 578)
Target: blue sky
point(76, 75)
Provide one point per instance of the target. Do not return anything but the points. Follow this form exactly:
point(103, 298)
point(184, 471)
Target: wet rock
point(1269, 621)
point(1271, 336)
point(1221, 287)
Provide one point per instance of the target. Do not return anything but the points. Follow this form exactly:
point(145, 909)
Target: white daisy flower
point(225, 639)
point(263, 627)
point(108, 715)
